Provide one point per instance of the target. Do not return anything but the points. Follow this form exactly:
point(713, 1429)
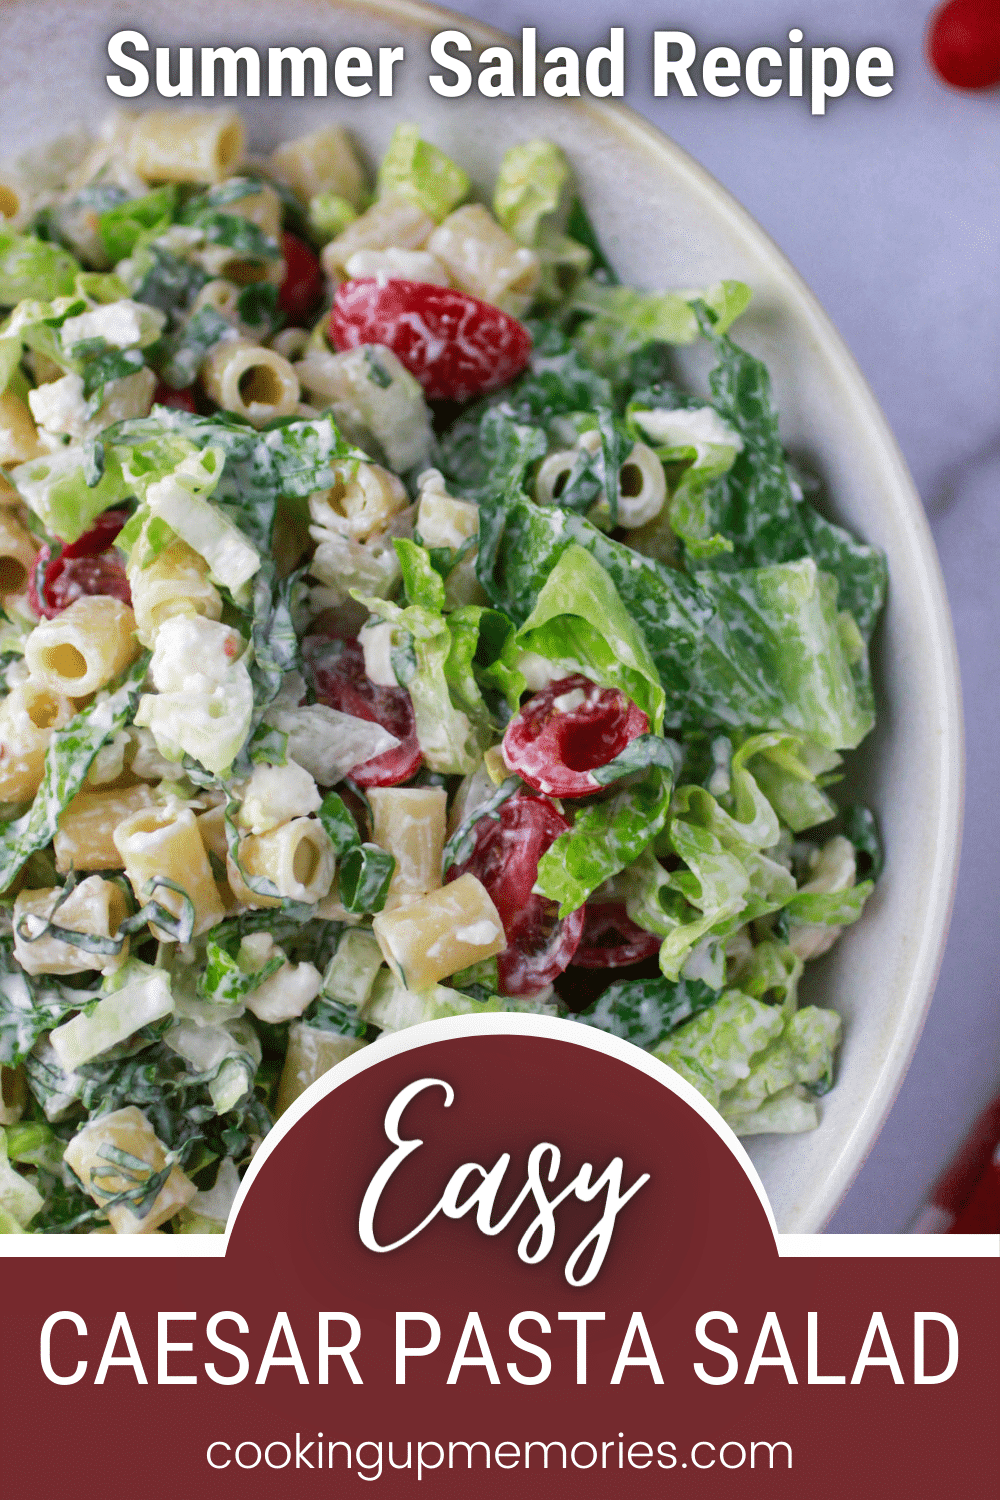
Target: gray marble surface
point(889, 209)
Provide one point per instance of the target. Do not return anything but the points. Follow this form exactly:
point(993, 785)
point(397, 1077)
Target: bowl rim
point(639, 135)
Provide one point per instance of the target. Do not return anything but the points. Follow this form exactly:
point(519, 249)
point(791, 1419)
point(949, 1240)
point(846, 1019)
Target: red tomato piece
point(341, 683)
point(303, 284)
point(165, 395)
point(611, 939)
point(455, 345)
point(963, 43)
point(567, 731)
point(505, 858)
point(85, 566)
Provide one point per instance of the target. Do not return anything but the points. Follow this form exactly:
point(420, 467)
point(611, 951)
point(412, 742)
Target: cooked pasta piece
point(297, 858)
point(393, 222)
point(95, 908)
point(401, 265)
point(18, 435)
point(642, 487)
point(174, 583)
point(18, 550)
point(250, 381)
point(322, 162)
point(443, 521)
point(119, 1154)
point(28, 715)
point(212, 827)
point(84, 839)
point(262, 208)
point(359, 505)
point(483, 260)
point(440, 934)
point(192, 145)
point(84, 647)
point(165, 841)
point(285, 995)
point(311, 1053)
point(290, 343)
point(410, 823)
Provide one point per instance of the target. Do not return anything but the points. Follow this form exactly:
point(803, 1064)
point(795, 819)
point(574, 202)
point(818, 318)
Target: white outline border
point(395, 1044)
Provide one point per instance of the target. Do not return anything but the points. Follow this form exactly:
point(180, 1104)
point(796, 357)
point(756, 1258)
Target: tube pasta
point(129, 1134)
point(642, 487)
point(483, 260)
point(311, 1053)
point(410, 823)
point(392, 223)
point(84, 839)
point(163, 841)
point(297, 857)
point(18, 550)
point(262, 209)
point(18, 435)
point(174, 583)
point(440, 934)
point(184, 146)
point(324, 161)
point(28, 715)
point(553, 474)
point(251, 381)
point(358, 505)
point(96, 907)
point(84, 647)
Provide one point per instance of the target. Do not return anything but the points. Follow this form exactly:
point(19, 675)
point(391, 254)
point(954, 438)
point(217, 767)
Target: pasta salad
point(387, 635)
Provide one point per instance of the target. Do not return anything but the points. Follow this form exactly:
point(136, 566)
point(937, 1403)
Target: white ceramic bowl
point(663, 222)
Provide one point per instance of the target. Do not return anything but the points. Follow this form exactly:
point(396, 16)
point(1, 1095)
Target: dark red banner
point(500, 1264)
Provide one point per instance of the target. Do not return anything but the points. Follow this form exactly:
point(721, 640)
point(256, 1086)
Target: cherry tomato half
point(567, 731)
point(505, 858)
point(165, 395)
point(963, 43)
point(611, 939)
point(85, 566)
point(303, 283)
point(455, 345)
point(341, 683)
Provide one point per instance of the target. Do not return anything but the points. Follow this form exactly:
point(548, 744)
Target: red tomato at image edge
point(302, 286)
point(505, 858)
point(455, 345)
point(963, 43)
point(84, 567)
point(611, 940)
point(341, 683)
point(554, 747)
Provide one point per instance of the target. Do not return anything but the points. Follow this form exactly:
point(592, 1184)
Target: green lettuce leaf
point(646, 1011)
point(579, 616)
point(69, 757)
point(755, 506)
point(123, 226)
point(530, 187)
point(606, 837)
point(713, 1050)
point(759, 648)
point(621, 320)
point(34, 268)
point(419, 171)
point(69, 489)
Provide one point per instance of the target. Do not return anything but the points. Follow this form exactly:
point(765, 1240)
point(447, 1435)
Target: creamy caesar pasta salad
point(387, 635)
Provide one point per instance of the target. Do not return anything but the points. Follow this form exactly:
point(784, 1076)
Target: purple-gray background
point(889, 209)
